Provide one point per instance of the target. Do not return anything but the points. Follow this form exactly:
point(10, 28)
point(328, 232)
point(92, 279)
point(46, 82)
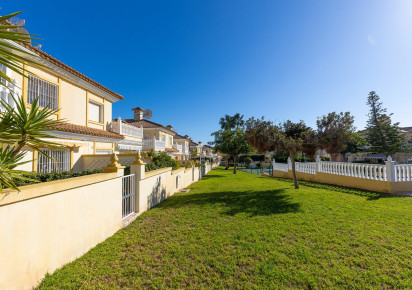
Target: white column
point(390, 169)
point(119, 122)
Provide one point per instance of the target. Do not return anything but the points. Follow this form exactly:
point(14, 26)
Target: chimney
point(169, 127)
point(138, 113)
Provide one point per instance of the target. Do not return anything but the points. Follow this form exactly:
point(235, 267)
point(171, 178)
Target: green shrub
point(45, 177)
point(161, 160)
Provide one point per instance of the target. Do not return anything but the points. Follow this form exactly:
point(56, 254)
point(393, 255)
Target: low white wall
point(155, 186)
point(45, 226)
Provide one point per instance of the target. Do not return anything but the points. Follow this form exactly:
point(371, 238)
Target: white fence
point(387, 172)
point(367, 171)
point(281, 167)
point(403, 172)
point(309, 167)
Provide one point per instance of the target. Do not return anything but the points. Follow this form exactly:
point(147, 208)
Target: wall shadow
point(157, 195)
point(253, 203)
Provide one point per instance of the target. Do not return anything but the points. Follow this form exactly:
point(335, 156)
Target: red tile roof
point(178, 137)
point(171, 150)
point(78, 129)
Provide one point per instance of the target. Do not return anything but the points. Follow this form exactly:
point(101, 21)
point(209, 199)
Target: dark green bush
point(161, 160)
point(45, 177)
point(254, 157)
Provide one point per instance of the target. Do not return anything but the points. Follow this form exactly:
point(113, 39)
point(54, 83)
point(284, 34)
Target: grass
point(249, 231)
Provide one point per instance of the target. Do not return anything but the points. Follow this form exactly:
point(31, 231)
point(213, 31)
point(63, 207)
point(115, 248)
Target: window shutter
point(95, 112)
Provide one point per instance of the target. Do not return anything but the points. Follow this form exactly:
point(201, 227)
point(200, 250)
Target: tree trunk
point(227, 163)
point(295, 180)
point(234, 167)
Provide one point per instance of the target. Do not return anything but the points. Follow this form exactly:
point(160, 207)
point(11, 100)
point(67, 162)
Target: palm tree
point(19, 127)
point(231, 122)
point(11, 55)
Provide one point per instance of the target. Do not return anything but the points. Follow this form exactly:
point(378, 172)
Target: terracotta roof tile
point(178, 137)
point(171, 150)
point(78, 129)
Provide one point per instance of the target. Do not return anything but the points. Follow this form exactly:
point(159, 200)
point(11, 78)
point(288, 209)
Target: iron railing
point(128, 195)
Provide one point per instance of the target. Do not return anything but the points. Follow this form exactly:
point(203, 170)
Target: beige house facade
point(83, 103)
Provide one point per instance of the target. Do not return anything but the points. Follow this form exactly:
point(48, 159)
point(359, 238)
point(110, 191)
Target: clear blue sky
point(191, 62)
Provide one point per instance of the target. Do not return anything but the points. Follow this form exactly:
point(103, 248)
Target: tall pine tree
point(382, 135)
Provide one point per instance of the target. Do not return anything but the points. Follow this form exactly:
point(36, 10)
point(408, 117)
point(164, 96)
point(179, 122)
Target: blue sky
point(191, 62)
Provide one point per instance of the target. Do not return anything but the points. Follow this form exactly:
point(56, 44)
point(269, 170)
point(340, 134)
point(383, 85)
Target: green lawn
point(248, 231)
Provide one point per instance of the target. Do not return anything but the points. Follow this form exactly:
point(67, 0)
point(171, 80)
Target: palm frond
point(11, 55)
point(9, 160)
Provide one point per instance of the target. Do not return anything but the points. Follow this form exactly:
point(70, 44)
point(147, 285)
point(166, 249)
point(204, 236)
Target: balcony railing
point(154, 144)
point(125, 129)
point(178, 147)
point(182, 149)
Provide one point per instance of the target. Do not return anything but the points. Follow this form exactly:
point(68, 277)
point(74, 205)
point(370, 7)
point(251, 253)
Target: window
point(163, 138)
point(95, 112)
point(170, 141)
point(44, 90)
point(146, 137)
point(59, 163)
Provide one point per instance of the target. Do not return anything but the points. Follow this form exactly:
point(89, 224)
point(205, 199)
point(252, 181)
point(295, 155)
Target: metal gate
point(128, 195)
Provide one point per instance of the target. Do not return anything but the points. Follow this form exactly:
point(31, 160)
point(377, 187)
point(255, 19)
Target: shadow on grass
point(371, 195)
point(256, 203)
point(211, 175)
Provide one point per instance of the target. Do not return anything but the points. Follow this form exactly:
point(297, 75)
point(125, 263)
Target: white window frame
point(47, 92)
point(100, 106)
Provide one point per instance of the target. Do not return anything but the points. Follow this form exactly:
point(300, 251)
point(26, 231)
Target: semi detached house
point(86, 106)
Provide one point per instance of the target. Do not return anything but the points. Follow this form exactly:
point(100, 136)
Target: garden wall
point(45, 226)
point(349, 181)
point(155, 186)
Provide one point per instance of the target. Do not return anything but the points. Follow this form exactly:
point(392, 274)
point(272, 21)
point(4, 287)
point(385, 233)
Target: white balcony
point(178, 147)
point(125, 129)
point(154, 144)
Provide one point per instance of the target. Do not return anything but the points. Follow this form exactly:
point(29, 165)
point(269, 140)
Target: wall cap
point(45, 188)
point(178, 170)
point(157, 171)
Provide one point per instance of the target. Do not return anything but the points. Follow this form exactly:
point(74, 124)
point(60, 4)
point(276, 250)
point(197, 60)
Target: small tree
point(335, 131)
point(248, 161)
point(232, 143)
point(292, 138)
point(382, 135)
point(194, 154)
point(289, 137)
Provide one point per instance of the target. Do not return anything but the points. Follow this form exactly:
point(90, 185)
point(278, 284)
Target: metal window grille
point(44, 90)
point(60, 161)
point(128, 196)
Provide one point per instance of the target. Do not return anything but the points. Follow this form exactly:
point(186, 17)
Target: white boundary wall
point(47, 225)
